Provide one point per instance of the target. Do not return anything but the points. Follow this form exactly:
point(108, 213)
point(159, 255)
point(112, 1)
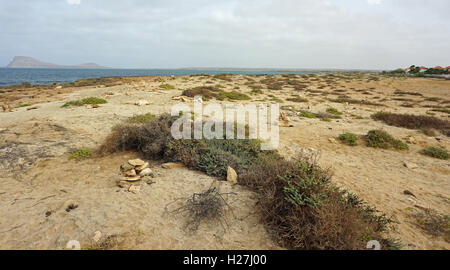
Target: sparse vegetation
point(141, 118)
point(223, 95)
point(167, 86)
point(85, 101)
point(414, 121)
point(436, 153)
point(297, 99)
point(80, 154)
point(382, 139)
point(349, 139)
point(334, 111)
point(298, 204)
point(433, 223)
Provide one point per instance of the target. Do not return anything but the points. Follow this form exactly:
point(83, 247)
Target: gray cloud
point(244, 33)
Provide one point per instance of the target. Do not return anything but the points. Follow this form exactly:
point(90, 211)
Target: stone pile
point(132, 173)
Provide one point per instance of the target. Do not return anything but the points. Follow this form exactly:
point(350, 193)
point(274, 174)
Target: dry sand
point(37, 176)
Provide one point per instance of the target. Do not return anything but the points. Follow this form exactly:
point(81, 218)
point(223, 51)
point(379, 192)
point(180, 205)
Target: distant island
point(29, 62)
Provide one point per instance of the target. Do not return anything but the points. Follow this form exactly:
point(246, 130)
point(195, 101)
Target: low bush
point(334, 111)
point(141, 118)
point(436, 153)
point(382, 139)
point(82, 153)
point(222, 95)
point(94, 100)
point(413, 121)
point(297, 99)
point(167, 86)
point(349, 139)
point(85, 101)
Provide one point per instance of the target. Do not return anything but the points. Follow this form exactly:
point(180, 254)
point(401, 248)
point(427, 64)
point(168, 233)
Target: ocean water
point(10, 76)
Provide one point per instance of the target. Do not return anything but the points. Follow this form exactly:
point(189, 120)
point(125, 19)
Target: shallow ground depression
point(34, 215)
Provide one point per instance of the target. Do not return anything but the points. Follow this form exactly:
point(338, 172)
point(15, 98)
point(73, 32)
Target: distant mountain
point(29, 62)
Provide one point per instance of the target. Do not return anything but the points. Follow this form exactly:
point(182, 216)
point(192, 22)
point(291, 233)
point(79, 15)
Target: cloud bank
point(367, 34)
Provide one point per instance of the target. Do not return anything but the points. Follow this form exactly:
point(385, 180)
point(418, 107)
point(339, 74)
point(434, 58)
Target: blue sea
point(10, 76)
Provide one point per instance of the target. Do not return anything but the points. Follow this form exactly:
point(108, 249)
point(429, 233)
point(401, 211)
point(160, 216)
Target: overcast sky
point(366, 34)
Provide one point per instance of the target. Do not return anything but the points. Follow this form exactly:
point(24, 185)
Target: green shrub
point(73, 103)
point(334, 111)
point(141, 118)
point(436, 153)
point(382, 139)
point(167, 86)
point(297, 99)
point(222, 95)
point(308, 114)
point(93, 100)
point(85, 101)
point(82, 153)
point(349, 139)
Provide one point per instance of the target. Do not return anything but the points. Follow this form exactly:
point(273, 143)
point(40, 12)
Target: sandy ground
point(37, 176)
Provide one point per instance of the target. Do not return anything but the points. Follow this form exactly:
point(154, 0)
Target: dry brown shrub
point(414, 121)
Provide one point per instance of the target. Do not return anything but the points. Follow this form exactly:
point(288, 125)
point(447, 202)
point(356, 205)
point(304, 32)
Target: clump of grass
point(73, 103)
point(442, 110)
point(334, 111)
point(94, 100)
point(23, 105)
point(85, 101)
point(205, 91)
point(82, 153)
point(436, 153)
point(222, 95)
point(297, 99)
point(256, 91)
point(413, 121)
point(308, 114)
point(346, 99)
point(433, 223)
point(349, 139)
point(382, 139)
point(297, 202)
point(429, 132)
point(141, 118)
point(167, 86)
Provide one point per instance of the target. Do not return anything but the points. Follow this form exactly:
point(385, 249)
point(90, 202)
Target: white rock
point(134, 189)
point(410, 165)
point(97, 236)
point(145, 172)
point(232, 176)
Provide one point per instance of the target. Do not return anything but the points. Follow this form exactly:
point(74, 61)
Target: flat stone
point(130, 173)
point(140, 168)
point(126, 167)
point(132, 179)
point(410, 165)
point(136, 162)
point(172, 165)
